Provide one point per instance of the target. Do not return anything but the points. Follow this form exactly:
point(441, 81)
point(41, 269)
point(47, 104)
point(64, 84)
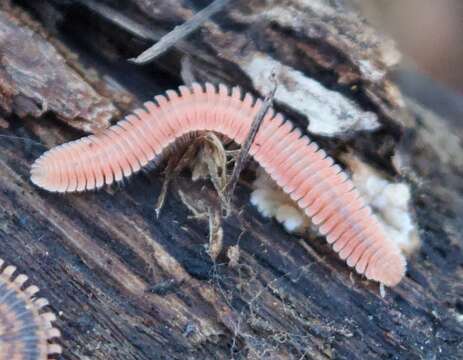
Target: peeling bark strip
point(25, 331)
point(329, 112)
point(303, 170)
point(35, 79)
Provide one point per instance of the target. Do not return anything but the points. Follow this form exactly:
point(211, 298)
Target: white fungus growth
point(390, 202)
point(271, 201)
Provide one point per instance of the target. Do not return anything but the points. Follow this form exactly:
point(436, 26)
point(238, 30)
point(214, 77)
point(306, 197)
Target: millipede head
point(26, 331)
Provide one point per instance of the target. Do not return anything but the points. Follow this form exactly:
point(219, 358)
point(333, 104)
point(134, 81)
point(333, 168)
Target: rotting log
point(128, 285)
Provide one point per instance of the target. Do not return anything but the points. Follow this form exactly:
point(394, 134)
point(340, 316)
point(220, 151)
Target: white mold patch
point(329, 112)
point(389, 201)
point(271, 201)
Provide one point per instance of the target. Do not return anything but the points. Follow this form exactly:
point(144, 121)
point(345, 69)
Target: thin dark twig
point(139, 30)
point(244, 153)
point(180, 32)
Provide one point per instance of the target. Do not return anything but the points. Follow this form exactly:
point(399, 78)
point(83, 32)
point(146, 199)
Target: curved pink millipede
point(304, 171)
point(25, 330)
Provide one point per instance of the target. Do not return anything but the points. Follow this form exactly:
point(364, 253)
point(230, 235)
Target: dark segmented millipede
point(298, 165)
point(25, 329)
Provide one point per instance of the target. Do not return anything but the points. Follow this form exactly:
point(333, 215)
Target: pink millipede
point(25, 330)
point(298, 165)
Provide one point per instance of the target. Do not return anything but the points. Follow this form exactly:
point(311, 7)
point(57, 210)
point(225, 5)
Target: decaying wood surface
point(129, 285)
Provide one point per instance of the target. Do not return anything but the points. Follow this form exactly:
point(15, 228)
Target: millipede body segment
point(296, 163)
point(25, 329)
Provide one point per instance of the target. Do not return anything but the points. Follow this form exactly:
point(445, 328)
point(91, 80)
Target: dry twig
point(243, 154)
point(179, 32)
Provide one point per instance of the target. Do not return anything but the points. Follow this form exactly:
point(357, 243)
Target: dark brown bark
point(128, 285)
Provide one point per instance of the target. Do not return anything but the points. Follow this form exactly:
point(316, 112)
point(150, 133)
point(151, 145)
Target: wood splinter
point(303, 170)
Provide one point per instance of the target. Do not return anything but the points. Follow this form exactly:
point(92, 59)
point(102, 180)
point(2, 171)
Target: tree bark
point(129, 285)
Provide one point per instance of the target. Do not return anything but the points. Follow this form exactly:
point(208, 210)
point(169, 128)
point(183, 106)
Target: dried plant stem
point(244, 152)
point(179, 32)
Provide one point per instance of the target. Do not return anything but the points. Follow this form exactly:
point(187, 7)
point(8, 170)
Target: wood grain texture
point(36, 79)
point(126, 285)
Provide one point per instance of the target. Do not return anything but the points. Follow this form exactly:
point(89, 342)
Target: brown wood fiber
point(25, 330)
point(304, 171)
